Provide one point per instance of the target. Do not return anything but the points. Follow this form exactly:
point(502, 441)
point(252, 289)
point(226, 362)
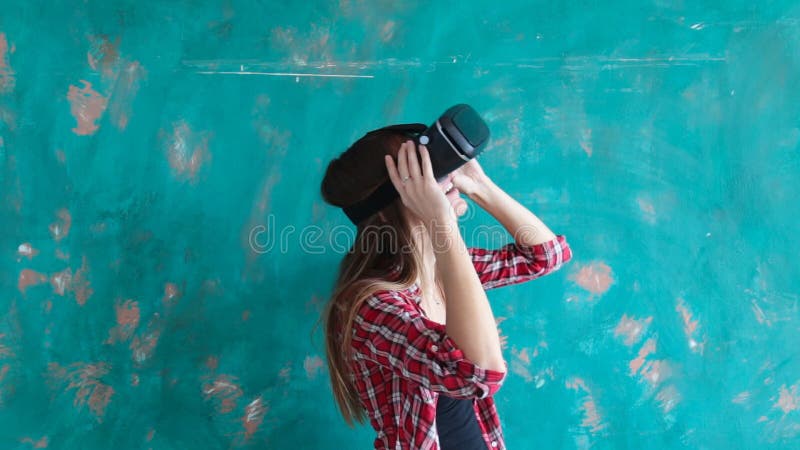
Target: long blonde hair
point(381, 243)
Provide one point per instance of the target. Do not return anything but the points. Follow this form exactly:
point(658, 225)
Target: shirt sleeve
point(514, 263)
point(389, 331)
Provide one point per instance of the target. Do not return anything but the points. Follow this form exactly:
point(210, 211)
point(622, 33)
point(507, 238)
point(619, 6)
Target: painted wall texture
point(165, 254)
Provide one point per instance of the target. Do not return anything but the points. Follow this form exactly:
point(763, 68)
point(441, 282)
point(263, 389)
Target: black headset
point(456, 137)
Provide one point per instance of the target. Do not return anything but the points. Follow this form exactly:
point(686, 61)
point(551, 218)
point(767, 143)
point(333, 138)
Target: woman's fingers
point(402, 163)
point(413, 162)
point(419, 192)
point(427, 168)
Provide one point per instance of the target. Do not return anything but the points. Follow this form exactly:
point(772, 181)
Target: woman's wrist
point(443, 232)
point(485, 192)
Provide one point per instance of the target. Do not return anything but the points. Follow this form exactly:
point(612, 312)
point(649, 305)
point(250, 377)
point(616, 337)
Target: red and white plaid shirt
point(403, 361)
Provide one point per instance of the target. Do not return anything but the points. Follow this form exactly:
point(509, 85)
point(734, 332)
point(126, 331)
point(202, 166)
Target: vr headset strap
point(382, 196)
point(385, 193)
point(414, 128)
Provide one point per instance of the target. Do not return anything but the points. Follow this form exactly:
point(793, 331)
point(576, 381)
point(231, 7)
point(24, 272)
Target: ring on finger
point(406, 179)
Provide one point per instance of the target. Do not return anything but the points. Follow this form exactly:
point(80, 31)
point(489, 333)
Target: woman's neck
point(427, 273)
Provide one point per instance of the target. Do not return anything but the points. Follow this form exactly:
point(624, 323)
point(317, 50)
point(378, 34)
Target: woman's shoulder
point(389, 300)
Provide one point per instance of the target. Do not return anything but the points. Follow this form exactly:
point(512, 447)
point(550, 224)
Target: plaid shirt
point(403, 361)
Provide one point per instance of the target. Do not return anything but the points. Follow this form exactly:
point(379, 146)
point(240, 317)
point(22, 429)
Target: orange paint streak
point(519, 368)
point(143, 345)
point(303, 49)
point(123, 76)
point(591, 416)
point(61, 255)
point(187, 151)
point(85, 379)
point(224, 391)
point(586, 143)
point(86, 106)
point(41, 443)
point(257, 214)
point(523, 356)
point(60, 281)
point(3, 373)
point(212, 362)
point(60, 229)
point(668, 398)
point(789, 399)
point(647, 349)
point(631, 329)
point(283, 36)
point(503, 337)
point(253, 417)
point(312, 366)
point(103, 55)
point(655, 372)
point(28, 278)
point(387, 31)
point(520, 365)
point(126, 88)
point(127, 321)
point(99, 399)
point(689, 326)
point(7, 79)
point(171, 294)
point(647, 209)
point(595, 278)
point(285, 372)
point(26, 249)
point(80, 285)
point(9, 117)
point(541, 345)
point(759, 313)
point(645, 206)
point(576, 383)
point(741, 398)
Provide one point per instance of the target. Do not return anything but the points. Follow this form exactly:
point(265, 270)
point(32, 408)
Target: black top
point(457, 425)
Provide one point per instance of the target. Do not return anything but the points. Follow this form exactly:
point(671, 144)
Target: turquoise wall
point(152, 154)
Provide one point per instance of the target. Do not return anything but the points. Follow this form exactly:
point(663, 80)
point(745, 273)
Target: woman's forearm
point(470, 322)
point(520, 222)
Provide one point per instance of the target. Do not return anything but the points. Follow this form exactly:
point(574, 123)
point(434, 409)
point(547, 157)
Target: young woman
point(411, 340)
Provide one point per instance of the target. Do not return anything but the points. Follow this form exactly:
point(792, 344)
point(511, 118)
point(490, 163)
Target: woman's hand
point(470, 179)
point(418, 189)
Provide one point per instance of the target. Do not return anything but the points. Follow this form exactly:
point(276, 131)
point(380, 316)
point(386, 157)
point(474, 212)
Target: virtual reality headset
point(457, 136)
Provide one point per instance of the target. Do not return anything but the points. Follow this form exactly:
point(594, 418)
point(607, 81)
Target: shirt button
point(434, 348)
point(494, 443)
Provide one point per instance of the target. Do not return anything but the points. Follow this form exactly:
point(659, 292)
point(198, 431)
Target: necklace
point(439, 298)
point(436, 299)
